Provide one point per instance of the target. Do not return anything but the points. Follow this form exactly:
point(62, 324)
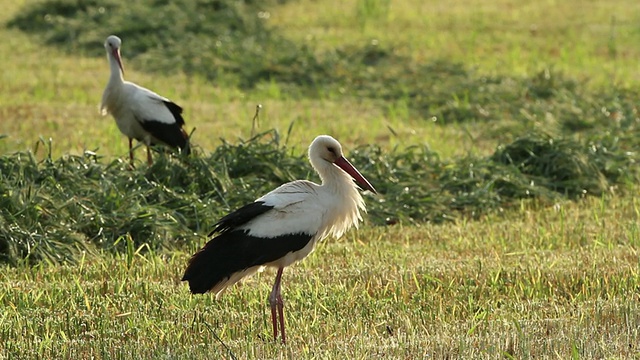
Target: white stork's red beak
point(116, 55)
point(345, 165)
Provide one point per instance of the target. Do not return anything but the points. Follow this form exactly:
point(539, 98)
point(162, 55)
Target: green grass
point(55, 210)
point(508, 131)
point(540, 282)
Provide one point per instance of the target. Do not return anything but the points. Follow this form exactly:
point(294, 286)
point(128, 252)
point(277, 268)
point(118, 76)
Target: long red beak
point(345, 165)
point(116, 55)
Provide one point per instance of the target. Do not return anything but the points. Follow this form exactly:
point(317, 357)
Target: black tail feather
point(235, 251)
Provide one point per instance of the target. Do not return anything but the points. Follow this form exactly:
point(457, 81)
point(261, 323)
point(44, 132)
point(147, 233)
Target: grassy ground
point(556, 282)
point(536, 281)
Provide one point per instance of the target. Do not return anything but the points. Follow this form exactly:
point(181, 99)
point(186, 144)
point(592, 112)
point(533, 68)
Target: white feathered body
point(130, 105)
point(283, 226)
point(305, 207)
point(140, 113)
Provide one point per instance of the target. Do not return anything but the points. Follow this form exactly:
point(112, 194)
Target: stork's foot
point(280, 304)
point(277, 308)
point(277, 316)
point(131, 166)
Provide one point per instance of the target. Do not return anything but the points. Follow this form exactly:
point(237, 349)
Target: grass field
point(558, 282)
point(553, 277)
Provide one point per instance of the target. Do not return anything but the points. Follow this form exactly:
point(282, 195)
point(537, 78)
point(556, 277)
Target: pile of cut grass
point(229, 41)
point(53, 209)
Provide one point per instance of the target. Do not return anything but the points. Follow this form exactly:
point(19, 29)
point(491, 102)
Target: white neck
point(349, 201)
point(116, 72)
point(333, 177)
point(115, 82)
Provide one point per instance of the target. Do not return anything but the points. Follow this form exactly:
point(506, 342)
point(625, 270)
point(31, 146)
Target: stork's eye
point(332, 150)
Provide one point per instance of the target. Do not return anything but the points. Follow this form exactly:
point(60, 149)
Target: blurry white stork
point(281, 227)
point(140, 113)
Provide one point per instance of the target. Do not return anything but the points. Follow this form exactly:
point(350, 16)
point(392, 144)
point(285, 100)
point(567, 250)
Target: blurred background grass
point(441, 135)
point(488, 71)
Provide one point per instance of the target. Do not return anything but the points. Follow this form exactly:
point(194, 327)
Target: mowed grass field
point(538, 280)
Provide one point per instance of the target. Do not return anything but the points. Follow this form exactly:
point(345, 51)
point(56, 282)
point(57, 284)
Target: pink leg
point(131, 152)
point(281, 313)
point(275, 299)
point(149, 159)
point(274, 320)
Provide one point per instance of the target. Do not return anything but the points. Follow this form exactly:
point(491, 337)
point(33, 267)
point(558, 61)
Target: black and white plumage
point(140, 113)
point(281, 227)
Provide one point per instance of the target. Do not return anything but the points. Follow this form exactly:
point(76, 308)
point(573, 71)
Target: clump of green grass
point(558, 164)
point(52, 209)
point(418, 186)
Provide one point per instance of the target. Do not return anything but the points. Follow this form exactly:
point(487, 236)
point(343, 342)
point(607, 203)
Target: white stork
point(282, 227)
point(140, 113)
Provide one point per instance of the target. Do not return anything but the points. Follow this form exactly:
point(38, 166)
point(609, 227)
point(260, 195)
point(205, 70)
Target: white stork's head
point(325, 151)
point(112, 45)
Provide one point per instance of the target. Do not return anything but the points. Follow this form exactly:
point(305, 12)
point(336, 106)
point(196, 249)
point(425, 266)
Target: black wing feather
point(234, 251)
point(240, 217)
point(176, 111)
point(170, 134)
